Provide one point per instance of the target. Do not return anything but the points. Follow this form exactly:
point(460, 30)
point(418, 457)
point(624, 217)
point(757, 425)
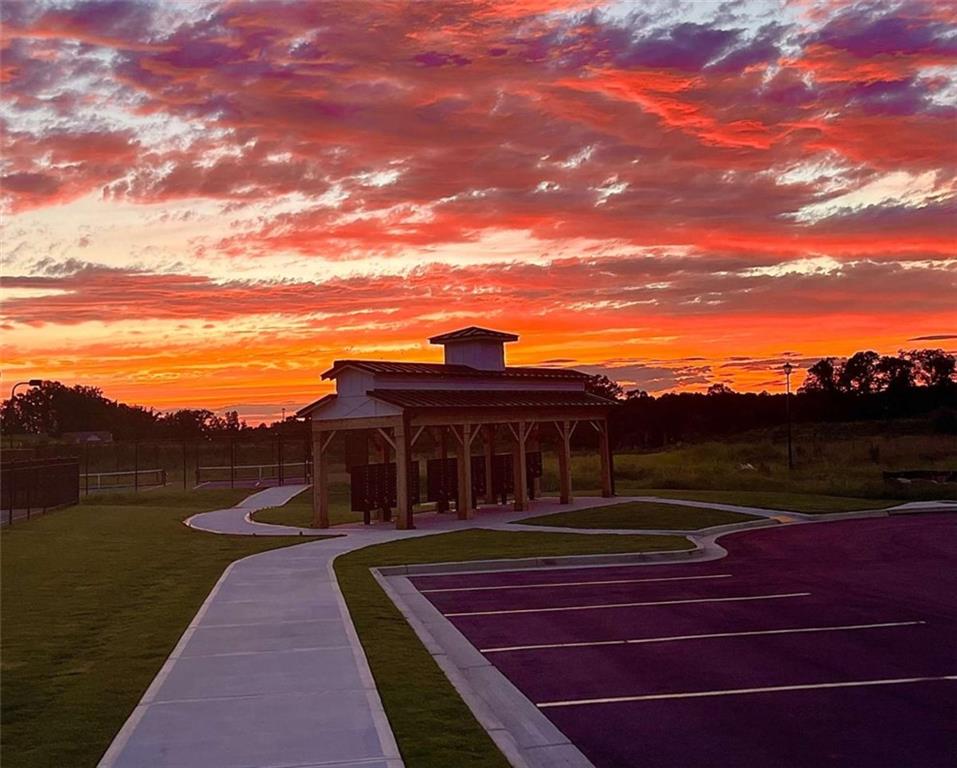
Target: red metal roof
point(472, 332)
point(487, 398)
point(450, 370)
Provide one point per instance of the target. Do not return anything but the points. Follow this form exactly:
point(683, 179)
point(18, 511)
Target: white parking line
point(742, 691)
point(574, 583)
point(672, 638)
point(630, 605)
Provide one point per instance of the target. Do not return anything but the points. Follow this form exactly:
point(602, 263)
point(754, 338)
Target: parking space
point(823, 644)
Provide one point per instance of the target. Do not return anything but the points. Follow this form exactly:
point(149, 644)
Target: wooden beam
point(455, 433)
point(403, 518)
point(533, 444)
point(464, 503)
point(371, 422)
point(604, 455)
point(385, 436)
point(477, 416)
point(565, 430)
point(416, 436)
point(442, 447)
point(520, 469)
point(320, 481)
point(489, 453)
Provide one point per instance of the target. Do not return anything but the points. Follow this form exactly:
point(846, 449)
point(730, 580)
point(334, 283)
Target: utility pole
point(787, 404)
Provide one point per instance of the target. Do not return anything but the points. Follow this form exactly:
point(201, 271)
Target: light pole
point(30, 383)
point(787, 405)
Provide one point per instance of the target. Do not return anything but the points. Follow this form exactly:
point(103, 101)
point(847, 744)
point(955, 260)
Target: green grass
point(298, 511)
point(638, 515)
point(432, 725)
point(171, 497)
point(788, 502)
point(94, 598)
point(830, 460)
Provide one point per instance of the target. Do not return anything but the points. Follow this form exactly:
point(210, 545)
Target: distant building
point(89, 436)
point(473, 393)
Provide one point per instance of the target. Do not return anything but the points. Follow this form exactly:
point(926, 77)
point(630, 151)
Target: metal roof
point(470, 333)
point(487, 398)
point(451, 370)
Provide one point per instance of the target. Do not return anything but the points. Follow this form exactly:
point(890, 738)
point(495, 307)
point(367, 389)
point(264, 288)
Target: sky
point(205, 203)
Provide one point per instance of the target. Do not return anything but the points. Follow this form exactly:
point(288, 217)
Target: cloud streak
point(653, 173)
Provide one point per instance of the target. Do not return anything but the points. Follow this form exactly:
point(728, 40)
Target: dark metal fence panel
point(36, 485)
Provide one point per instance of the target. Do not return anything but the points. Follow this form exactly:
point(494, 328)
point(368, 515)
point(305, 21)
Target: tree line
point(866, 385)
point(53, 409)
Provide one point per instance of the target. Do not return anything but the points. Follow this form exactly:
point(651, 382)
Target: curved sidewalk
point(270, 671)
point(238, 520)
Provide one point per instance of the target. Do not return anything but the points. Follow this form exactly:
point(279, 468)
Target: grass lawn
point(831, 460)
point(638, 515)
point(789, 502)
point(94, 598)
point(298, 511)
point(432, 725)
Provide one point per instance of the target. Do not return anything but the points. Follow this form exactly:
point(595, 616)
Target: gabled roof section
point(306, 410)
point(488, 398)
point(472, 333)
point(447, 370)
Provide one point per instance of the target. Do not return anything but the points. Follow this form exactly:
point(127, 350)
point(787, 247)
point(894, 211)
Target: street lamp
point(30, 383)
point(787, 404)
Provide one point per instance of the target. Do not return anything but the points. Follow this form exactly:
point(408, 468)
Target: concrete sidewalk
point(270, 671)
point(238, 520)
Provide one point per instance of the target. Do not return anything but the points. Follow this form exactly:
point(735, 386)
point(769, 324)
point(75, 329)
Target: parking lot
point(808, 645)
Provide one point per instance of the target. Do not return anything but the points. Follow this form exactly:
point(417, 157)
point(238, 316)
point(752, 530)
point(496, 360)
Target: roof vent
point(476, 347)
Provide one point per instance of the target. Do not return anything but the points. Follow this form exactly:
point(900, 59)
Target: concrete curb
point(524, 736)
point(565, 561)
point(726, 528)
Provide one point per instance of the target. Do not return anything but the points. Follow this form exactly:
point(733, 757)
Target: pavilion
point(472, 395)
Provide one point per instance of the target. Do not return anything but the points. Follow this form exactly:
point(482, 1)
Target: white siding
point(357, 407)
point(353, 382)
point(484, 354)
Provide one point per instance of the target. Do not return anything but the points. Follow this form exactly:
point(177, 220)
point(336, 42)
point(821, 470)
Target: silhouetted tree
point(821, 377)
point(602, 385)
point(720, 389)
point(895, 374)
point(859, 373)
point(933, 367)
point(53, 408)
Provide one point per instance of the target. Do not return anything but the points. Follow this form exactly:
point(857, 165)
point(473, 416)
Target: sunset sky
point(206, 203)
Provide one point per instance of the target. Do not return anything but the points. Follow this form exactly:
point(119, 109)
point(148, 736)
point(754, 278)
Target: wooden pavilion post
point(403, 518)
point(489, 453)
point(464, 505)
point(565, 429)
point(604, 454)
point(520, 468)
point(445, 503)
point(320, 478)
point(534, 445)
